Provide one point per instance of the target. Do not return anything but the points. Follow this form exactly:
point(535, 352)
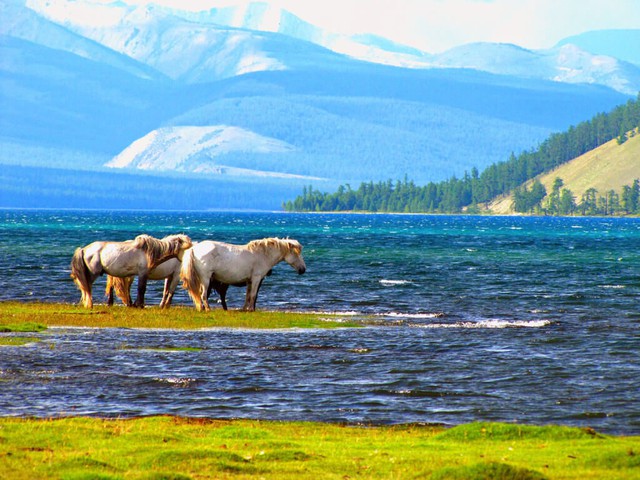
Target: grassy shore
point(181, 448)
point(165, 447)
point(16, 316)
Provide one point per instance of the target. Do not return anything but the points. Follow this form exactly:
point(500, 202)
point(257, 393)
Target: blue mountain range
point(223, 110)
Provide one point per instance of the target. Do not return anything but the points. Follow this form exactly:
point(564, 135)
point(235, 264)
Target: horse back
point(121, 259)
point(228, 263)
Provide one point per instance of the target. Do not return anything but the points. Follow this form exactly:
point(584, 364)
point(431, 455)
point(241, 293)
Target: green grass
point(16, 315)
point(22, 327)
point(17, 341)
point(180, 448)
point(165, 447)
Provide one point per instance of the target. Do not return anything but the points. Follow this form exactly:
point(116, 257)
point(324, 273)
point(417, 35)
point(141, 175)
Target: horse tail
point(191, 278)
point(80, 275)
point(122, 287)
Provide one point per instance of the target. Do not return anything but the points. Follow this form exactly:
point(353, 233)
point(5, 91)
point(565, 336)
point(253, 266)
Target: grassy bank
point(166, 447)
point(180, 448)
point(17, 316)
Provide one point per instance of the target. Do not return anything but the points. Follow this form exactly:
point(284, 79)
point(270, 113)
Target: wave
point(488, 324)
point(348, 313)
point(410, 315)
point(395, 282)
point(176, 381)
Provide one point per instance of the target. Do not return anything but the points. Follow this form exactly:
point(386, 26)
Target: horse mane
point(285, 245)
point(157, 250)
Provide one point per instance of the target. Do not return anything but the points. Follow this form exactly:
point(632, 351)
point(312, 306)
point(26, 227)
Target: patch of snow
point(194, 149)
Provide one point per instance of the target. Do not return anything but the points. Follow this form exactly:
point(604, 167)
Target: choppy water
point(480, 318)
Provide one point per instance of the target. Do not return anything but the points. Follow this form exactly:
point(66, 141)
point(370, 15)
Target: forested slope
point(608, 168)
point(476, 189)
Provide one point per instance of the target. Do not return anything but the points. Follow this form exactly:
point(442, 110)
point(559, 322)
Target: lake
point(518, 319)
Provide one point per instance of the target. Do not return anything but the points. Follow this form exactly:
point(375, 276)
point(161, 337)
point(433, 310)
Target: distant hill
point(253, 95)
point(568, 63)
point(515, 178)
point(621, 44)
point(608, 167)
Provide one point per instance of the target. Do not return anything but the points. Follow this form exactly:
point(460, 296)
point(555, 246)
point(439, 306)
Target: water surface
point(479, 318)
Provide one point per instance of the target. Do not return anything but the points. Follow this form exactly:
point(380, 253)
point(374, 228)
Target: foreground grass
point(16, 316)
point(180, 448)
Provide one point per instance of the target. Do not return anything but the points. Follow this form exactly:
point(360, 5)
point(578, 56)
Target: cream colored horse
point(124, 259)
point(218, 265)
point(169, 271)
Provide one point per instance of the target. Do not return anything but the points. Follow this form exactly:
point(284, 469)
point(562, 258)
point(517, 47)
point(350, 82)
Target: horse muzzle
point(301, 270)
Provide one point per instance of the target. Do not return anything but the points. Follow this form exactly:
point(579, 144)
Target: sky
point(436, 25)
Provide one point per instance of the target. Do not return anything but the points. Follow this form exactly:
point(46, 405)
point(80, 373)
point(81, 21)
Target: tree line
point(474, 188)
point(562, 201)
point(406, 197)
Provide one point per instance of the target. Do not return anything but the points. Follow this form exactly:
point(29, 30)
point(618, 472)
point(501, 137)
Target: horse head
point(293, 255)
point(157, 251)
point(179, 244)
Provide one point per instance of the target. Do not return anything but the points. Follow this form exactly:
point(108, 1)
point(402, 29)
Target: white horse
point(169, 271)
point(218, 265)
point(124, 259)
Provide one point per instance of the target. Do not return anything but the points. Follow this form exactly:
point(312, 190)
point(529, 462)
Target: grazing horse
point(218, 265)
point(124, 259)
point(169, 271)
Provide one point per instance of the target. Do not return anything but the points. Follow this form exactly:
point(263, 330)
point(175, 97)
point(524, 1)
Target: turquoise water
point(497, 318)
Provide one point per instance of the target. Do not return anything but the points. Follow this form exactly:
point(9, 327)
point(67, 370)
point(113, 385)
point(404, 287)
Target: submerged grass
point(167, 447)
point(17, 341)
point(16, 315)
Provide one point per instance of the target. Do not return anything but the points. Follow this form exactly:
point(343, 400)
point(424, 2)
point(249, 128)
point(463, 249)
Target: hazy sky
point(435, 25)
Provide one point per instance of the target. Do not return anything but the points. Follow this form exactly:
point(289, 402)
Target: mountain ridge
point(618, 43)
point(561, 63)
point(340, 118)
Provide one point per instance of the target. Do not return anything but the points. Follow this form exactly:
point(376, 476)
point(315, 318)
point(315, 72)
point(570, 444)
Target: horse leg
point(86, 298)
point(223, 295)
point(222, 291)
point(204, 296)
point(252, 295)
point(166, 296)
point(170, 285)
point(110, 296)
point(87, 295)
point(142, 288)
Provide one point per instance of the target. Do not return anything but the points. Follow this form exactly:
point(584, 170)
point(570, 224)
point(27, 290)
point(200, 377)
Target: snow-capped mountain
point(224, 42)
point(176, 47)
point(260, 16)
point(216, 43)
point(250, 96)
point(25, 24)
point(567, 63)
point(195, 149)
point(620, 43)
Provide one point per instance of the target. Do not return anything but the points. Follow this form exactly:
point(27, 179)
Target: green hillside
point(506, 186)
point(608, 167)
